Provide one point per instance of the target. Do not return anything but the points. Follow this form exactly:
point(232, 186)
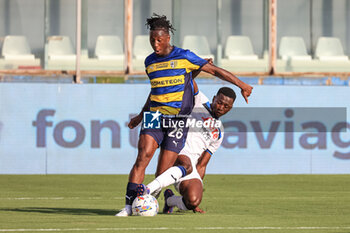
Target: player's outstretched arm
point(202, 163)
point(135, 121)
point(195, 73)
point(225, 75)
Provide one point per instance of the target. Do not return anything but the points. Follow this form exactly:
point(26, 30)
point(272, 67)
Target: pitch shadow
point(67, 211)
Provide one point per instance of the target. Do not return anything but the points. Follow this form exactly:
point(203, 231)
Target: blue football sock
point(130, 193)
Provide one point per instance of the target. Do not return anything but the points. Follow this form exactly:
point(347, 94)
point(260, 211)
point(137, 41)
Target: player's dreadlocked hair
point(227, 92)
point(159, 22)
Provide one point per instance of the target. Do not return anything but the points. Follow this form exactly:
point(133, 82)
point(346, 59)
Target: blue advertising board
point(82, 129)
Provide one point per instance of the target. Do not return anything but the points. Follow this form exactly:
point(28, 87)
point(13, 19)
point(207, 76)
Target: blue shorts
point(171, 135)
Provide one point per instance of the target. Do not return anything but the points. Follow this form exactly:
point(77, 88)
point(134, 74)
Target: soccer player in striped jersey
point(202, 142)
point(170, 70)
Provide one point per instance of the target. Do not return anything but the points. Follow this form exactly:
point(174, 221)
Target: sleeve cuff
point(209, 151)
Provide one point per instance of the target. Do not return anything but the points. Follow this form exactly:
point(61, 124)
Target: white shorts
point(193, 175)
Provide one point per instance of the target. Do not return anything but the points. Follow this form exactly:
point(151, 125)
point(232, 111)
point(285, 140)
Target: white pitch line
point(174, 228)
point(271, 228)
point(24, 230)
point(58, 198)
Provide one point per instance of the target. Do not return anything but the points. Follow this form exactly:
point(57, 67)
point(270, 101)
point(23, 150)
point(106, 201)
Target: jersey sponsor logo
point(167, 81)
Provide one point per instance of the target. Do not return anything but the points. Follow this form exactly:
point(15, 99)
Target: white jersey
point(200, 139)
point(209, 136)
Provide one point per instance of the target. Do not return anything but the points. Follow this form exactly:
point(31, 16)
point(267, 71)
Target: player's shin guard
point(130, 193)
point(170, 176)
point(177, 201)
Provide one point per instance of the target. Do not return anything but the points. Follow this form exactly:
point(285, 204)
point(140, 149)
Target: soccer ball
point(145, 205)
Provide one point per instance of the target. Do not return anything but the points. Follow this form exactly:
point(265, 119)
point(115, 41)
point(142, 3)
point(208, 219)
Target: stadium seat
point(330, 49)
point(329, 56)
point(199, 45)
point(17, 53)
point(60, 48)
point(293, 48)
point(60, 53)
point(109, 55)
point(293, 56)
point(109, 48)
point(239, 48)
point(16, 47)
point(141, 49)
point(239, 56)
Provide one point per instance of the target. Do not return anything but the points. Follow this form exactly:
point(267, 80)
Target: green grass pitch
point(234, 203)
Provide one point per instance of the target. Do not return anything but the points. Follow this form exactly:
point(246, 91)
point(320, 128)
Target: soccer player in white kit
point(204, 138)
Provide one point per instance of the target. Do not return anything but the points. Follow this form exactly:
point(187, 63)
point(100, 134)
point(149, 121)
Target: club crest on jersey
point(173, 64)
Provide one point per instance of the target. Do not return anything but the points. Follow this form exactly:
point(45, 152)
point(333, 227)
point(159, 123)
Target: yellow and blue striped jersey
point(171, 81)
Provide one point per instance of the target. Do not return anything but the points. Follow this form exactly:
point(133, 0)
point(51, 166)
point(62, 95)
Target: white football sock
point(170, 176)
point(176, 201)
point(154, 187)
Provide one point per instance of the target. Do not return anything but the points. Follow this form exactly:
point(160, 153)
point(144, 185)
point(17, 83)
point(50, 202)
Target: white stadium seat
point(199, 45)
point(60, 48)
point(16, 48)
point(239, 56)
point(330, 49)
point(293, 48)
point(239, 48)
point(109, 48)
point(60, 53)
point(17, 54)
point(142, 47)
point(329, 56)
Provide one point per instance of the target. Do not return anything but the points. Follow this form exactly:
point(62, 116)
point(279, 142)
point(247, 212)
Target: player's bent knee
point(193, 202)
